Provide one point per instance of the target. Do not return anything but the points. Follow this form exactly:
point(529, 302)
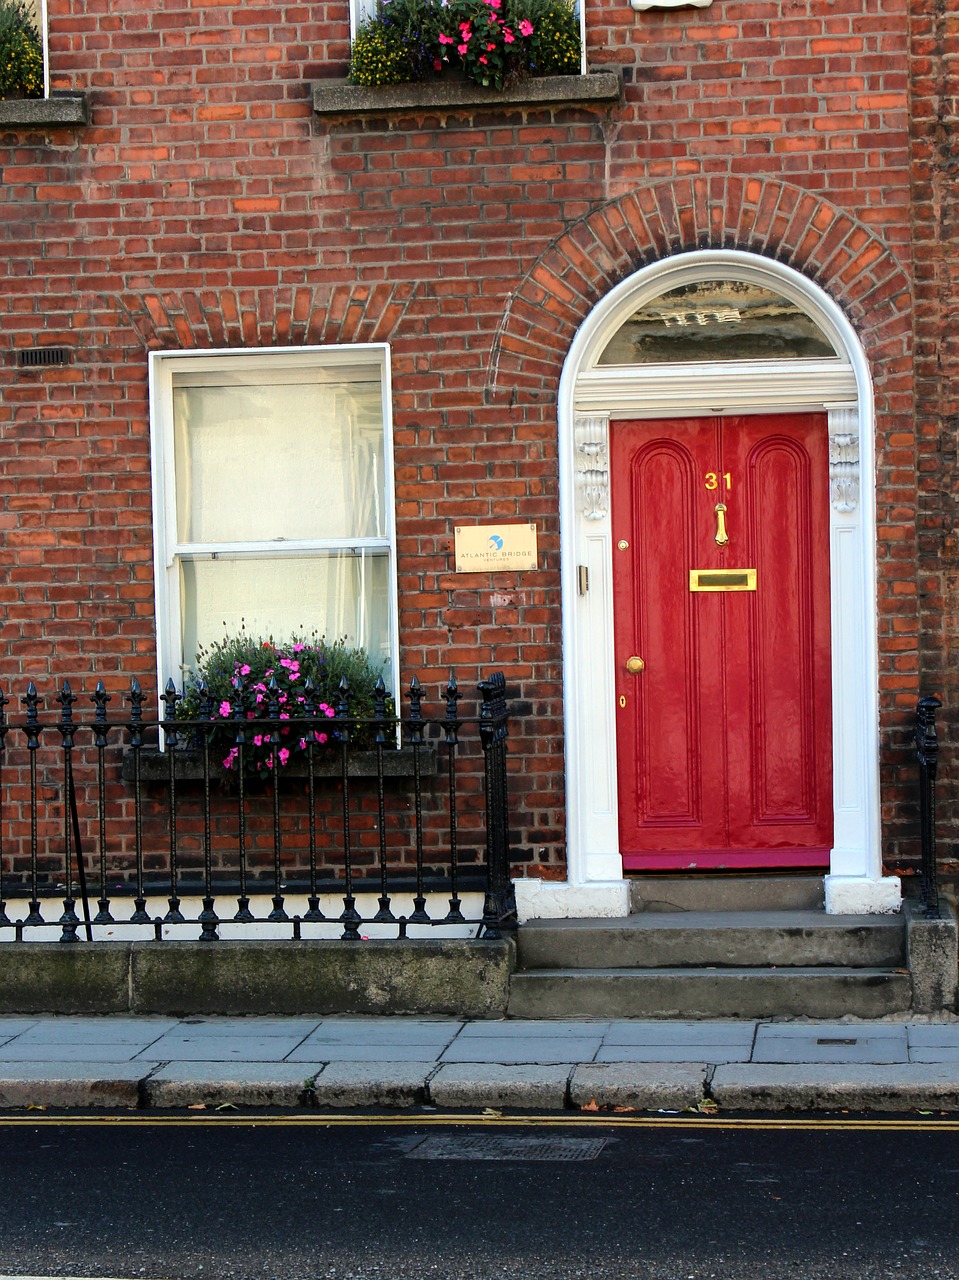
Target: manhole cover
point(455, 1146)
point(836, 1040)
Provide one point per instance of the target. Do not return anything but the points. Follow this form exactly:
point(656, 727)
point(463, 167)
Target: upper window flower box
point(340, 98)
point(44, 113)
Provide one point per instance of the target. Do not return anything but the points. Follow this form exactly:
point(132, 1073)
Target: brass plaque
point(484, 548)
point(722, 579)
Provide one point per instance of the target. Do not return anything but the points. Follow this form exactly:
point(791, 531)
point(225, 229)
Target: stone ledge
point(61, 109)
point(338, 98)
point(448, 977)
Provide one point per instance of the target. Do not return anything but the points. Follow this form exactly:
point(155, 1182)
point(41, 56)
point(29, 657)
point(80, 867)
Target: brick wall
point(934, 31)
point(205, 206)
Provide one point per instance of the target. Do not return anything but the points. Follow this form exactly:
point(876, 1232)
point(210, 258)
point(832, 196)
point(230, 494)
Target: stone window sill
point(338, 98)
point(61, 109)
point(155, 766)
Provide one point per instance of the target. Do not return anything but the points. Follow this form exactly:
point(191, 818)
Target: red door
point(721, 600)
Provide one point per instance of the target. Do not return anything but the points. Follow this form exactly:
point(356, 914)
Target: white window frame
point(168, 551)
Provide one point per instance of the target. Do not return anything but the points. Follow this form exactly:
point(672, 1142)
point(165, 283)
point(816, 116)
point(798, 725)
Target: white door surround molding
point(590, 396)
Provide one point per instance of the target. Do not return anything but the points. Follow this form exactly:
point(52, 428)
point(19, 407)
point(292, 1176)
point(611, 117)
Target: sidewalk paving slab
point(174, 1048)
point(831, 1044)
point(495, 1084)
point(248, 1084)
point(498, 1049)
point(831, 1086)
point(642, 1086)
point(527, 1028)
point(929, 1034)
point(671, 1052)
point(651, 1033)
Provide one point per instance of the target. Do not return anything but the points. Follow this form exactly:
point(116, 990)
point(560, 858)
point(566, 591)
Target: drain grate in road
point(465, 1146)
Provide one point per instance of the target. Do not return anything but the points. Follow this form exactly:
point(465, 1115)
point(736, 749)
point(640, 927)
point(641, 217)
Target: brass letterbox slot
point(722, 579)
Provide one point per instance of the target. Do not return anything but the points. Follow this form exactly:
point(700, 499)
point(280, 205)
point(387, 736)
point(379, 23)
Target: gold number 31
point(712, 480)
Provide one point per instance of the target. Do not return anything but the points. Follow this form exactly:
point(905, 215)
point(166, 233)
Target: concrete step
point(726, 893)
point(821, 992)
point(743, 939)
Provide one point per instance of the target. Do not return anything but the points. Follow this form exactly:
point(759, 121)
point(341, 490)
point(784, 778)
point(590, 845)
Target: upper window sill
point(60, 109)
point(338, 98)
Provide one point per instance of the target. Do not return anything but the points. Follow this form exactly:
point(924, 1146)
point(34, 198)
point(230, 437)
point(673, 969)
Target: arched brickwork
point(848, 260)
point(293, 316)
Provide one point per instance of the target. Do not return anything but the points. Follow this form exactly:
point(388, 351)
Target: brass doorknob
point(634, 665)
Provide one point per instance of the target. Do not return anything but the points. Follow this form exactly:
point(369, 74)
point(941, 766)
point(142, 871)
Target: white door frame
point(589, 397)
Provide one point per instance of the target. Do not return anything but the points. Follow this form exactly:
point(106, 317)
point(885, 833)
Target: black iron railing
point(927, 754)
point(120, 798)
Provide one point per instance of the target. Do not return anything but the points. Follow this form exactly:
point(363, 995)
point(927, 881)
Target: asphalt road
point(199, 1196)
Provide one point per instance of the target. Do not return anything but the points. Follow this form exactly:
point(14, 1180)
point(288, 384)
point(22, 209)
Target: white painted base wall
point(560, 900)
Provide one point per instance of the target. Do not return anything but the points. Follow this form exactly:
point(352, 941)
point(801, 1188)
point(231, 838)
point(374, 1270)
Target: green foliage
point(238, 678)
point(554, 48)
point(379, 57)
point(21, 52)
point(494, 42)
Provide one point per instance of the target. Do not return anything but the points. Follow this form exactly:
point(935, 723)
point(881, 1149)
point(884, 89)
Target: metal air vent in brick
point(42, 357)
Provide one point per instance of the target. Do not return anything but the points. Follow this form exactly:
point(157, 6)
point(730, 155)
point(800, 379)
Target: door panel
point(724, 738)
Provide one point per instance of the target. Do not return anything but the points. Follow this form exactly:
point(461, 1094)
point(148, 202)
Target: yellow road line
point(600, 1119)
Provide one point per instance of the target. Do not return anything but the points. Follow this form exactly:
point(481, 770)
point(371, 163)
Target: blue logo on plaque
point(496, 542)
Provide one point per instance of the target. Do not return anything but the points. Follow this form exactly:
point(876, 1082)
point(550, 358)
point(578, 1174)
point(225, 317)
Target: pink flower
point(245, 669)
point(526, 27)
point(320, 737)
point(508, 37)
point(302, 744)
point(284, 755)
point(482, 59)
point(490, 48)
point(298, 648)
point(461, 49)
point(258, 739)
point(230, 757)
point(465, 29)
point(330, 713)
point(224, 708)
point(446, 39)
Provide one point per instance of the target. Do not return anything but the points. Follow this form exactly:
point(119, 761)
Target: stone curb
point(73, 1084)
point(490, 1084)
point(640, 1086)
point(636, 1086)
point(853, 1087)
point(267, 1084)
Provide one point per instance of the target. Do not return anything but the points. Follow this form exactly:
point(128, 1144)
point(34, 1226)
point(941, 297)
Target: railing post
point(499, 910)
point(927, 753)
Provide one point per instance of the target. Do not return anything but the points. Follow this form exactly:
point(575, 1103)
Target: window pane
point(717, 320)
point(278, 458)
point(341, 595)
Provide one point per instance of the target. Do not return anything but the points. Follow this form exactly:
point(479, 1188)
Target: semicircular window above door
point(717, 320)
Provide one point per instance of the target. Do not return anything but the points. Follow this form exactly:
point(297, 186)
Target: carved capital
point(592, 465)
point(844, 459)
